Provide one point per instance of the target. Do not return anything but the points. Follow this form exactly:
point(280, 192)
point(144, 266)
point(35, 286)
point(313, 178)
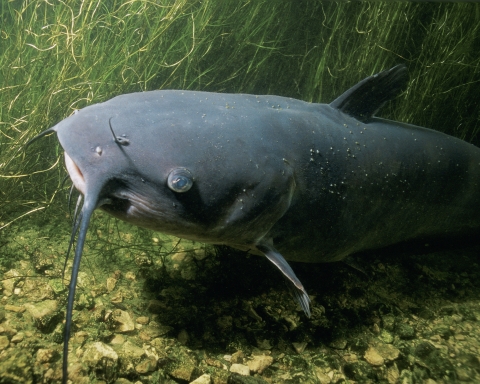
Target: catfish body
point(319, 183)
point(271, 175)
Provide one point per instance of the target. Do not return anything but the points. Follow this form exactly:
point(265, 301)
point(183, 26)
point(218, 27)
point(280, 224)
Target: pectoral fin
point(297, 288)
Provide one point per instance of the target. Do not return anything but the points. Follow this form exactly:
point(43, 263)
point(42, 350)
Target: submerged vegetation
point(57, 57)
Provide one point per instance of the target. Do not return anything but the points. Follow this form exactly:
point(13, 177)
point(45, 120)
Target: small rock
point(393, 374)
point(350, 358)
point(300, 347)
point(84, 300)
point(237, 357)
point(81, 336)
point(204, 379)
point(213, 363)
point(45, 355)
point(111, 283)
point(387, 351)
point(260, 363)
point(100, 355)
point(4, 342)
point(240, 369)
point(9, 282)
point(117, 340)
point(14, 308)
point(154, 330)
point(322, 377)
point(17, 338)
point(146, 366)
point(144, 336)
point(385, 336)
point(122, 380)
point(117, 298)
point(122, 321)
point(44, 314)
point(131, 352)
point(144, 320)
point(373, 357)
point(183, 367)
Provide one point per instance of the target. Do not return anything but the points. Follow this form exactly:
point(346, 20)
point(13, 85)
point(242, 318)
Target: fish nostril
point(75, 174)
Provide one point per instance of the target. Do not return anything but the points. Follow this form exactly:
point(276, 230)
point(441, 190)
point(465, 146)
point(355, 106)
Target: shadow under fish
point(270, 175)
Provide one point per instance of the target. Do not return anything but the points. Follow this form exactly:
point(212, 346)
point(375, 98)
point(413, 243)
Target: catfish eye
point(180, 180)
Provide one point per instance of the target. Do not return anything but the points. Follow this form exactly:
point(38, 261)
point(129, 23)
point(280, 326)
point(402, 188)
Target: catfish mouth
point(76, 174)
point(115, 198)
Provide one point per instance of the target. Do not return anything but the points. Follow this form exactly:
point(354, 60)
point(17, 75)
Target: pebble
point(100, 355)
point(14, 308)
point(43, 313)
point(373, 357)
point(81, 336)
point(17, 338)
point(387, 351)
point(392, 374)
point(45, 355)
point(144, 320)
point(300, 347)
point(130, 351)
point(122, 320)
point(204, 379)
point(9, 282)
point(4, 343)
point(146, 366)
point(237, 357)
point(260, 363)
point(117, 340)
point(111, 283)
point(322, 377)
point(385, 336)
point(240, 369)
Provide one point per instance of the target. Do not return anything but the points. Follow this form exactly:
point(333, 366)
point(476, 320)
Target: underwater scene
point(219, 191)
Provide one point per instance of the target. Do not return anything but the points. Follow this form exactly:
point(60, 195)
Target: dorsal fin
point(364, 99)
